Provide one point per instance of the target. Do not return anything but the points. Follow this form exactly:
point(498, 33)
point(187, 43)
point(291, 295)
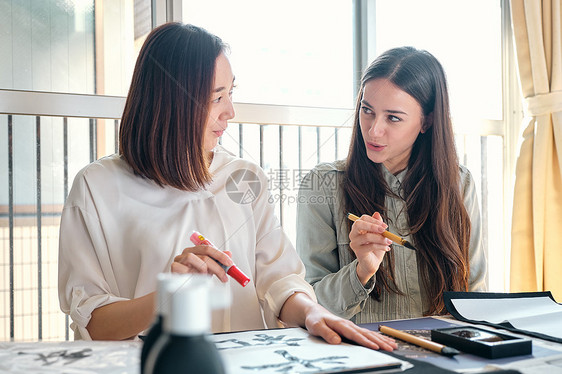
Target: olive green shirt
point(323, 245)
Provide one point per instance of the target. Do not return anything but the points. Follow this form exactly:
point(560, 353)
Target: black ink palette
point(481, 342)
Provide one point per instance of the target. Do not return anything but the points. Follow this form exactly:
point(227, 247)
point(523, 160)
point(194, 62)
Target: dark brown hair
point(438, 220)
point(162, 128)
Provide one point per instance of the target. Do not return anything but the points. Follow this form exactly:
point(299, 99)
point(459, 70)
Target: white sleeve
point(279, 270)
point(86, 280)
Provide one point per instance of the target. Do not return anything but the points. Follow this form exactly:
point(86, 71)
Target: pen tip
point(407, 244)
point(448, 351)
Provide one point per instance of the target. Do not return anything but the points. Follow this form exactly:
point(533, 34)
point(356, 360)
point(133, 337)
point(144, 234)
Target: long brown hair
point(163, 124)
point(438, 220)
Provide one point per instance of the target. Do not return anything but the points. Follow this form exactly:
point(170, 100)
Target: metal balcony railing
point(48, 137)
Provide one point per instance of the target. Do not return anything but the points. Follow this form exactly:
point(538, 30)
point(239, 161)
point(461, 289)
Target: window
point(80, 47)
point(464, 36)
point(295, 64)
point(289, 52)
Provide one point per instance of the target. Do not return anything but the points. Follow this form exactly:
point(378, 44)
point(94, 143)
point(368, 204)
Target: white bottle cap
point(190, 313)
point(168, 284)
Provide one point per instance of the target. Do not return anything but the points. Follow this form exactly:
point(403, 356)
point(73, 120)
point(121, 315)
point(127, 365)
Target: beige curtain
point(536, 249)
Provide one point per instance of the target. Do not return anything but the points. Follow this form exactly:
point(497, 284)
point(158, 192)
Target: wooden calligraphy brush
point(424, 343)
point(395, 238)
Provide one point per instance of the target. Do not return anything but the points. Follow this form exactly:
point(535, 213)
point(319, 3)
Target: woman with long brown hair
point(129, 216)
point(402, 175)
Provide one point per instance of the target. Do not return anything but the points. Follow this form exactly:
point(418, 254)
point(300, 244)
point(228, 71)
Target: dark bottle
point(153, 335)
point(184, 346)
point(167, 284)
point(189, 354)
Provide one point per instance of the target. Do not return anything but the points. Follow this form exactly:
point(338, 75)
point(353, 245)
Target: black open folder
point(482, 296)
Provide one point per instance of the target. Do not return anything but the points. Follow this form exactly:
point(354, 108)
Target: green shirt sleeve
point(320, 244)
point(477, 258)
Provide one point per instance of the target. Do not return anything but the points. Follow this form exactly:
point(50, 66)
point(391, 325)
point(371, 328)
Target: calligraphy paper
point(293, 350)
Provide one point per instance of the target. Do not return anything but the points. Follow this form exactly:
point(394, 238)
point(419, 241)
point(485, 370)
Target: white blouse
point(119, 230)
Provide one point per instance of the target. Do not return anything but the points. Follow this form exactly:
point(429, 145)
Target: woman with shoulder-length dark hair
point(163, 124)
point(130, 216)
point(402, 174)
